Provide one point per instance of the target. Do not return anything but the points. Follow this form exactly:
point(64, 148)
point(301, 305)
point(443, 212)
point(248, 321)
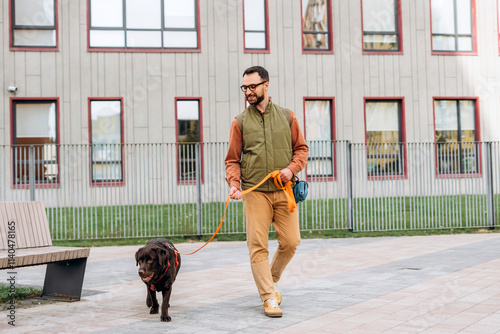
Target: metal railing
point(146, 190)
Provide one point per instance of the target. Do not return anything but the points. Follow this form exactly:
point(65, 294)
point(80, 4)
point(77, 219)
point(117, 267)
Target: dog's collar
point(152, 286)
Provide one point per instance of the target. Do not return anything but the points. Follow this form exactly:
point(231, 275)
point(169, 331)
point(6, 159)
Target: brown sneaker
point(277, 292)
point(271, 308)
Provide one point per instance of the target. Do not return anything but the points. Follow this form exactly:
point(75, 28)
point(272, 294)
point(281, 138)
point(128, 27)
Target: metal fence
point(146, 190)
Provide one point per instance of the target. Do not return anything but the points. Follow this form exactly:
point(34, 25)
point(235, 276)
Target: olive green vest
point(267, 145)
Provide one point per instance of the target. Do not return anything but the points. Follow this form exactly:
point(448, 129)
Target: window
point(144, 24)
point(256, 25)
point(453, 26)
point(381, 25)
point(34, 141)
point(189, 138)
point(34, 24)
point(106, 139)
point(385, 138)
point(456, 123)
point(316, 26)
point(320, 132)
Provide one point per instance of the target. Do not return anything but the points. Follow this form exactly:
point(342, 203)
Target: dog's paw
point(148, 302)
point(154, 310)
point(166, 319)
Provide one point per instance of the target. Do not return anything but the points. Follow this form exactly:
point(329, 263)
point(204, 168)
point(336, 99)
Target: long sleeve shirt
point(233, 157)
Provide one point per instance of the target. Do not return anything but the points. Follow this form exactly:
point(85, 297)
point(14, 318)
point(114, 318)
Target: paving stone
point(428, 284)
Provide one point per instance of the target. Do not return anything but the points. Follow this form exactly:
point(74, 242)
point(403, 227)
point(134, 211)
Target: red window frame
point(200, 115)
point(477, 119)
point(267, 49)
point(498, 25)
point(399, 29)
point(147, 50)
point(333, 134)
point(36, 48)
point(402, 116)
point(13, 118)
point(474, 51)
point(106, 183)
point(330, 31)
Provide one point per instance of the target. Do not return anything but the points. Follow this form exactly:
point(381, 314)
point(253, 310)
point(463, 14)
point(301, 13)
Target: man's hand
point(234, 193)
point(286, 175)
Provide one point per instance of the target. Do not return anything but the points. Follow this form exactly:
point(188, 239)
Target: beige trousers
point(262, 209)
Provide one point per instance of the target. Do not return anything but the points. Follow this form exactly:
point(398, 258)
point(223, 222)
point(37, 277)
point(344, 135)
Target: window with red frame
point(456, 136)
point(381, 28)
point(34, 24)
point(316, 25)
point(319, 133)
point(106, 140)
point(256, 30)
point(34, 141)
point(188, 138)
point(143, 24)
point(384, 137)
point(452, 26)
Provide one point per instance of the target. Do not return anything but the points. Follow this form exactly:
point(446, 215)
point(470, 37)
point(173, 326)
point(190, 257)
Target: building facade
point(166, 71)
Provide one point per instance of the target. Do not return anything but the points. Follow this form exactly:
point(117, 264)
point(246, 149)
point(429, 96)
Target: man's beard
point(259, 100)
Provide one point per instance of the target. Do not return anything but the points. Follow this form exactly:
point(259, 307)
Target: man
point(268, 139)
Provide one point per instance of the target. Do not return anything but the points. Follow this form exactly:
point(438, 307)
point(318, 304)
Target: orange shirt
point(233, 157)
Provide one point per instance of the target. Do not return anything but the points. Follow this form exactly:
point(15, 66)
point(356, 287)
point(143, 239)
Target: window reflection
point(188, 137)
point(106, 140)
point(456, 136)
point(315, 29)
point(452, 25)
point(380, 25)
point(143, 24)
point(34, 23)
point(35, 141)
point(384, 138)
point(319, 137)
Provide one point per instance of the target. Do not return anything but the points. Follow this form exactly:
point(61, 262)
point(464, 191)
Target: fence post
point(350, 206)
point(489, 187)
point(198, 188)
point(32, 171)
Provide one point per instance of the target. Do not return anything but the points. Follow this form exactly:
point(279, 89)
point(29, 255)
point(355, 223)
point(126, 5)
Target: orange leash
point(287, 188)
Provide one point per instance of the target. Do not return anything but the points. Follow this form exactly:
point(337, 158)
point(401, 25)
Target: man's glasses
point(251, 87)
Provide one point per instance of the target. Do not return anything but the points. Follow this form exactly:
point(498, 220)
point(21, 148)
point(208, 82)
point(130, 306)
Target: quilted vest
point(267, 146)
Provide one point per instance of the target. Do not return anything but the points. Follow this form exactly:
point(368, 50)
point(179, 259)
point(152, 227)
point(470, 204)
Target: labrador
point(159, 262)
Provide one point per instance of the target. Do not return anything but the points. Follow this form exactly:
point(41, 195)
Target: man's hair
point(259, 69)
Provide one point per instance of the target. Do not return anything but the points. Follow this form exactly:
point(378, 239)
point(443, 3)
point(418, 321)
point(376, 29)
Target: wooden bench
point(25, 241)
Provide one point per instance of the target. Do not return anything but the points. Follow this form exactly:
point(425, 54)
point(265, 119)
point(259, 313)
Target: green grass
point(116, 225)
point(21, 293)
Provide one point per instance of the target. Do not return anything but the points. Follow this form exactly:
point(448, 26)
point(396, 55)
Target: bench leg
point(64, 280)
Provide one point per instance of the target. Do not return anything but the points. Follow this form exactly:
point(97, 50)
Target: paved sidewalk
point(423, 284)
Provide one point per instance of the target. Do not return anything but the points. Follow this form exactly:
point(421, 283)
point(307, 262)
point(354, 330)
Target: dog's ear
point(162, 254)
point(137, 256)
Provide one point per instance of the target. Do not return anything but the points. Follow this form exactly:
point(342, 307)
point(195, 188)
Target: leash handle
point(287, 188)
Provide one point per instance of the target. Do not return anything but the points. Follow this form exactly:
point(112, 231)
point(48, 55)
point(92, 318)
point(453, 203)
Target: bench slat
point(4, 220)
point(32, 226)
point(24, 224)
point(43, 230)
point(42, 255)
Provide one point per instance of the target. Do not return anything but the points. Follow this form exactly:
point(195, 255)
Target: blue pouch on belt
point(300, 190)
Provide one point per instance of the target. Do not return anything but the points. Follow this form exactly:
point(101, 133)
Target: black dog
point(159, 263)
